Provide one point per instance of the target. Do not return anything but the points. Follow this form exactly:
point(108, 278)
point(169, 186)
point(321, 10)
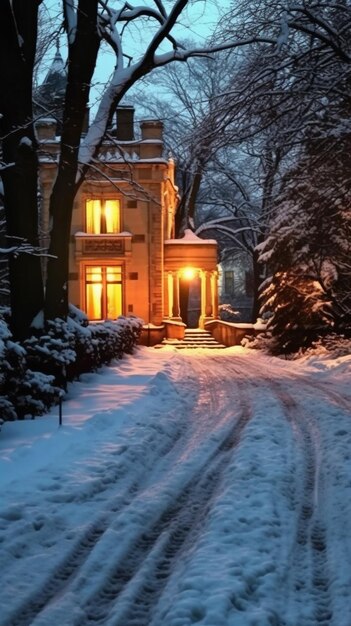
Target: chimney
point(125, 123)
point(46, 128)
point(151, 129)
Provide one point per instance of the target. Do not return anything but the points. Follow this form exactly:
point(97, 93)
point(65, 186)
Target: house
point(235, 286)
point(124, 258)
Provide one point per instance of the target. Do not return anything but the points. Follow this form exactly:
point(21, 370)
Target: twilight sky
point(197, 22)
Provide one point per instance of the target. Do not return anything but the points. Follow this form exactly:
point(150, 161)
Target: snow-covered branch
point(124, 78)
point(22, 247)
point(70, 19)
point(184, 55)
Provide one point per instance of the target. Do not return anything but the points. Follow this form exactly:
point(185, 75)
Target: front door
point(190, 300)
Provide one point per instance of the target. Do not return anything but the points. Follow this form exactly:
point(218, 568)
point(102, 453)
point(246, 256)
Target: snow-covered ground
point(199, 487)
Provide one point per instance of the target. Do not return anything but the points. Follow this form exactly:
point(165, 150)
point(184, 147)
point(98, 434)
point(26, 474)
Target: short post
point(60, 410)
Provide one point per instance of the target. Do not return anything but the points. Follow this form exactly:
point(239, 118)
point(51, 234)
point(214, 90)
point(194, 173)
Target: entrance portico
point(184, 260)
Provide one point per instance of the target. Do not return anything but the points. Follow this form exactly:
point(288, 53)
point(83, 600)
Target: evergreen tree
point(309, 246)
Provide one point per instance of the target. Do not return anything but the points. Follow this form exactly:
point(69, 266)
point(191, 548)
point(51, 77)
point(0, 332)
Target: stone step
point(203, 335)
point(197, 331)
point(199, 341)
point(193, 346)
point(194, 338)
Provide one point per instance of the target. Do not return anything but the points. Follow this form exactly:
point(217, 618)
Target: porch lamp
point(188, 273)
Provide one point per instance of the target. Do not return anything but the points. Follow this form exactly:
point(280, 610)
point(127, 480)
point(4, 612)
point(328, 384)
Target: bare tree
point(295, 105)
point(18, 34)
point(252, 105)
point(87, 24)
point(187, 105)
point(227, 166)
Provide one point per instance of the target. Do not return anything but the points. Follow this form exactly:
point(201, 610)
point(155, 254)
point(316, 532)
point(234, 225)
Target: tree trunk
point(18, 34)
point(257, 280)
point(194, 192)
point(81, 64)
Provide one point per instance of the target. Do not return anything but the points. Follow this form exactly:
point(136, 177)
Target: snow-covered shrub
point(24, 392)
point(332, 345)
point(32, 375)
point(99, 343)
point(34, 393)
point(84, 348)
point(111, 339)
point(77, 315)
point(52, 351)
point(227, 313)
point(262, 341)
point(129, 329)
point(12, 369)
point(7, 410)
point(302, 312)
point(4, 336)
point(68, 348)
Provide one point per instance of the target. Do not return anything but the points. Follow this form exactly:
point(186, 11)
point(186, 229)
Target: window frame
point(229, 277)
point(104, 282)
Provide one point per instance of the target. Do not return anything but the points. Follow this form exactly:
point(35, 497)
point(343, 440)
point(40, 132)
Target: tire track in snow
point(72, 561)
point(76, 555)
point(171, 532)
point(307, 573)
point(308, 576)
point(336, 398)
point(57, 583)
point(156, 551)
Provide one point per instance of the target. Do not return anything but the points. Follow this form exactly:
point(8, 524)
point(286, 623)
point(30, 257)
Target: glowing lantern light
point(188, 273)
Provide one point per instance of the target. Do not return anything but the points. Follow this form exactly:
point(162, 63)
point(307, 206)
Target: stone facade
point(135, 181)
point(123, 258)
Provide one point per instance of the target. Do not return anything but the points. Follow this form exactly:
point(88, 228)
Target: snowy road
point(208, 487)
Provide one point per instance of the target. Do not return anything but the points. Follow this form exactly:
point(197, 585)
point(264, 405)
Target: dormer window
point(103, 216)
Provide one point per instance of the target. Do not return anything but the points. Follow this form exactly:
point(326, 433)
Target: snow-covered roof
point(46, 120)
point(56, 70)
point(190, 238)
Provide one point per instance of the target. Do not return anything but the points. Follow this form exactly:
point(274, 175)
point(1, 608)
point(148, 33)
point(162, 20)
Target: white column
point(170, 293)
point(175, 307)
point(203, 294)
point(214, 285)
point(209, 307)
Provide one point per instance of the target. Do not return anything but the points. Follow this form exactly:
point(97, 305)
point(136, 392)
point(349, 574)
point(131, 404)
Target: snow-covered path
point(207, 487)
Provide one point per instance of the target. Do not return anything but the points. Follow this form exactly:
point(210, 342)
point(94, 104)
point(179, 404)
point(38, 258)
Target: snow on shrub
point(52, 351)
point(110, 339)
point(32, 375)
point(34, 393)
point(227, 313)
point(7, 411)
point(55, 347)
point(12, 366)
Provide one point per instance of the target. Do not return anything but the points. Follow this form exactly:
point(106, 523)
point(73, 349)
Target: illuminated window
point(103, 216)
point(103, 291)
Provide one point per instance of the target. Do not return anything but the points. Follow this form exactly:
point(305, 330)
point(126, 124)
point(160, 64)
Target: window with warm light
point(103, 291)
point(103, 216)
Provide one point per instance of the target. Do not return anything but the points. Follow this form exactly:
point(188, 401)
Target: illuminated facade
point(124, 259)
point(123, 255)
